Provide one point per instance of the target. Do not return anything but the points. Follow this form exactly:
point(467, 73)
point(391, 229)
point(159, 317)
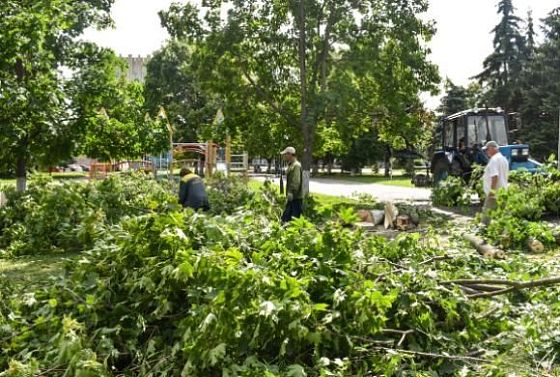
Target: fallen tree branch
point(494, 287)
point(435, 259)
point(403, 334)
point(490, 294)
point(434, 355)
point(469, 290)
point(484, 287)
point(512, 283)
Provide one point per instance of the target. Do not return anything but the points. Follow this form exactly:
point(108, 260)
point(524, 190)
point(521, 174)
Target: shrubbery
point(163, 291)
point(523, 206)
point(184, 294)
point(451, 192)
point(69, 216)
point(520, 209)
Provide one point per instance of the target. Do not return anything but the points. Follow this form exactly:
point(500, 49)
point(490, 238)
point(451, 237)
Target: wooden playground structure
point(206, 163)
point(100, 170)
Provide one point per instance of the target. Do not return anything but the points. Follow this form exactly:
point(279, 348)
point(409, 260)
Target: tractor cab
point(462, 136)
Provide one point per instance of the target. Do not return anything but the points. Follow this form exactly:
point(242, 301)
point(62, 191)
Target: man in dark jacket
point(294, 186)
point(192, 193)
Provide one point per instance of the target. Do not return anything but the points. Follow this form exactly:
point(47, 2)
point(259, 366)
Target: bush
point(68, 216)
point(227, 194)
point(517, 217)
point(511, 232)
point(452, 192)
point(170, 292)
point(177, 294)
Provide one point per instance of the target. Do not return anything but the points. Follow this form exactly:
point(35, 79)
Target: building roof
point(489, 111)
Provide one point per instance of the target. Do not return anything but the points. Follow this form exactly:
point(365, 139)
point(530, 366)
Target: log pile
point(390, 217)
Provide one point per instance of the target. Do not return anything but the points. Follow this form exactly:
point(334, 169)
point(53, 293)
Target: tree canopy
point(37, 39)
point(60, 95)
point(503, 67)
point(350, 65)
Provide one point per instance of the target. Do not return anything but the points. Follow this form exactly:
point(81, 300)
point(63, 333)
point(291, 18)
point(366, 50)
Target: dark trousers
point(293, 209)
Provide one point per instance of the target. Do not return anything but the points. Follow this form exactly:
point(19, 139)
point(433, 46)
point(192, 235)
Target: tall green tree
point(530, 36)
point(458, 98)
point(111, 118)
point(541, 92)
point(503, 67)
point(172, 82)
point(290, 57)
point(37, 39)
point(454, 100)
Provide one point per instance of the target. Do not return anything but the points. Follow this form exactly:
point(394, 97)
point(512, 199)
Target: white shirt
point(498, 166)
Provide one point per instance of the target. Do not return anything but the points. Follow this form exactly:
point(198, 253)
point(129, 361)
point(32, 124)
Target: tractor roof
point(490, 111)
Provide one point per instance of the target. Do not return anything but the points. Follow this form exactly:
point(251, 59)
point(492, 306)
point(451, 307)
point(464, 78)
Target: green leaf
point(296, 370)
point(217, 353)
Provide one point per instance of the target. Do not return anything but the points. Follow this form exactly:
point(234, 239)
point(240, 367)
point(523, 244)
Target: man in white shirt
point(495, 177)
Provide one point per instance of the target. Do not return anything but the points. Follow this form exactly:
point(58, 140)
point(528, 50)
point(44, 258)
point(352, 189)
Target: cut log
point(365, 216)
point(535, 246)
point(365, 226)
point(403, 222)
point(484, 248)
point(557, 237)
point(391, 213)
point(378, 216)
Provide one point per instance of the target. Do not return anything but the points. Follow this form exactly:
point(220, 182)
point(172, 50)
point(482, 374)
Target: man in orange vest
point(192, 193)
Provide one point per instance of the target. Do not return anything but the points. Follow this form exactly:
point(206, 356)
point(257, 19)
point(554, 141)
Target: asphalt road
point(381, 192)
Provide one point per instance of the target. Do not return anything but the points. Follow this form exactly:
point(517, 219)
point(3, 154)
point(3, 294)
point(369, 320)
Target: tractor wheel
point(441, 170)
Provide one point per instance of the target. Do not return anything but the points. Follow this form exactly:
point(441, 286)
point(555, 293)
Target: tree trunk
point(315, 166)
point(388, 167)
point(306, 128)
point(21, 174)
point(269, 167)
point(483, 248)
point(307, 156)
point(330, 160)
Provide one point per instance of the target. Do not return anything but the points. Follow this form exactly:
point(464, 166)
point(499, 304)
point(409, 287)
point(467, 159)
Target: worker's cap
point(491, 144)
point(289, 150)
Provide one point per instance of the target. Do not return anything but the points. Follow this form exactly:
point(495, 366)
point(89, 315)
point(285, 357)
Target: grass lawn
point(61, 176)
point(7, 182)
point(398, 180)
point(30, 270)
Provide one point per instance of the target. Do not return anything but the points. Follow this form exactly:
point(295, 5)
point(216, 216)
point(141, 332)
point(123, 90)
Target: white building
point(136, 67)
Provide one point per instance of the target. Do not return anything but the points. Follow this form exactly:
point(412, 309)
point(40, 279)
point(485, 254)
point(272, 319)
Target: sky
point(462, 41)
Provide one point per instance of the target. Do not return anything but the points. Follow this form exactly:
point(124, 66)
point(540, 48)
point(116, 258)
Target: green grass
point(398, 180)
point(7, 182)
point(61, 176)
point(36, 269)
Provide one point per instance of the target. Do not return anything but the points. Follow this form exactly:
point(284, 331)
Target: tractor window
point(461, 143)
point(478, 133)
point(449, 134)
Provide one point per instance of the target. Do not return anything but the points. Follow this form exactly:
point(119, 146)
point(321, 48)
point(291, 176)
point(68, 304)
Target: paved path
point(382, 192)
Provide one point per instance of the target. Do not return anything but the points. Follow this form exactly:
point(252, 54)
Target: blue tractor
point(462, 137)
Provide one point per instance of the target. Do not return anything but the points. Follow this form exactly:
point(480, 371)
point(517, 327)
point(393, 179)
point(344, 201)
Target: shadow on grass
point(31, 270)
